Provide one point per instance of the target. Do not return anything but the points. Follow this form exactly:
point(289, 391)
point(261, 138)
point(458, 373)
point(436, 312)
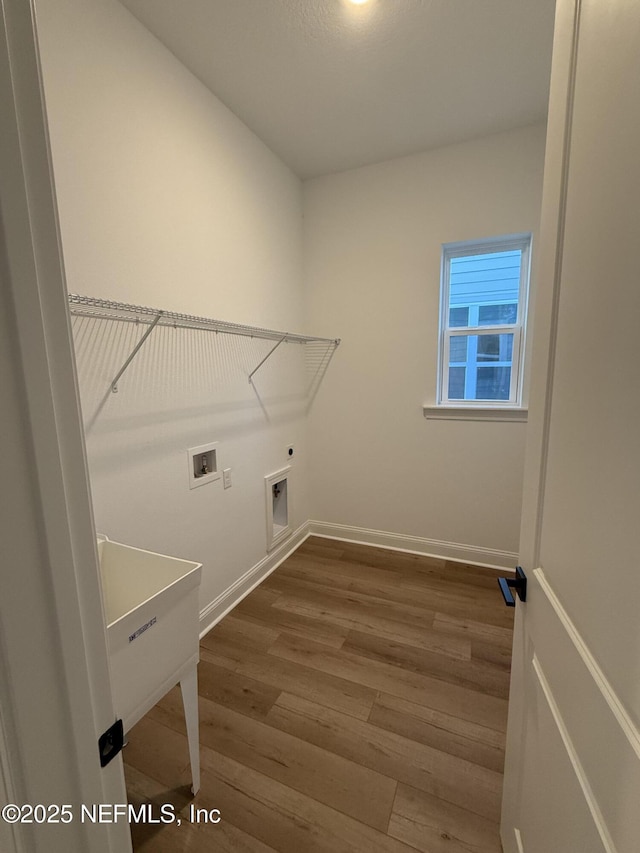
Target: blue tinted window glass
point(458, 348)
point(495, 347)
point(458, 316)
point(497, 315)
point(493, 383)
point(456, 382)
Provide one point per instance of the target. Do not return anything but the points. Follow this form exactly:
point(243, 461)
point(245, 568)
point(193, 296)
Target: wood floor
point(355, 701)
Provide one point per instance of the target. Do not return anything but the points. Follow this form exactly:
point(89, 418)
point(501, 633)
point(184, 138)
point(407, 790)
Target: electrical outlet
point(226, 478)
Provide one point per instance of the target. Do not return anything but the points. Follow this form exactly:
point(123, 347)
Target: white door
point(572, 775)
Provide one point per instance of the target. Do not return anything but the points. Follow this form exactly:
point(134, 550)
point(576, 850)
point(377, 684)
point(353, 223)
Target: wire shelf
point(105, 309)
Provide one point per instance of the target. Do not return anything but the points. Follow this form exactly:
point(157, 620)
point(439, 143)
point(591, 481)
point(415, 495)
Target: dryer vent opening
point(278, 497)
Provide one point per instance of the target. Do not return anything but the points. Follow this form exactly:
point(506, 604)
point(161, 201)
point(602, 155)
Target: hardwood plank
point(417, 615)
point(233, 651)
point(188, 837)
point(421, 766)
point(226, 838)
point(476, 629)
point(468, 582)
point(217, 658)
point(285, 819)
point(446, 732)
point(259, 595)
point(237, 692)
point(371, 555)
point(364, 555)
point(435, 826)
point(147, 837)
point(262, 807)
point(487, 600)
point(323, 547)
point(499, 655)
point(474, 674)
point(324, 688)
point(160, 753)
point(354, 615)
point(300, 567)
point(328, 777)
point(314, 629)
point(439, 695)
point(247, 634)
point(463, 603)
point(327, 689)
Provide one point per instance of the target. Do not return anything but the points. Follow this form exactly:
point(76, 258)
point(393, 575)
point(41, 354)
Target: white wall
point(166, 199)
point(373, 239)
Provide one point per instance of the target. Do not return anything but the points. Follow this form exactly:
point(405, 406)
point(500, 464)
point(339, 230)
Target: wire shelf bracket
point(134, 352)
point(104, 309)
point(267, 356)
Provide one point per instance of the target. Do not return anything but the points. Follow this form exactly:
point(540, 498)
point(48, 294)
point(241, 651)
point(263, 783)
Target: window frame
point(490, 245)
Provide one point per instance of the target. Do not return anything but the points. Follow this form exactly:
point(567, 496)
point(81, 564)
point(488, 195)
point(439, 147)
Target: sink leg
point(189, 688)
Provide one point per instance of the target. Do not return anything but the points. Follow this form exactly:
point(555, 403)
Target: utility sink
point(152, 613)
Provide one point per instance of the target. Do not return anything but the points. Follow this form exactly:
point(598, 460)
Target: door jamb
point(54, 673)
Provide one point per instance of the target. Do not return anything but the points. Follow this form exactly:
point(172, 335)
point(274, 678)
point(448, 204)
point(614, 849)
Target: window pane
point(489, 348)
point(480, 366)
point(494, 347)
point(458, 348)
point(493, 383)
point(456, 382)
point(458, 317)
point(497, 315)
point(487, 285)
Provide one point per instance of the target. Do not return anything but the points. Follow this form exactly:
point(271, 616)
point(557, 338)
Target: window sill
point(475, 413)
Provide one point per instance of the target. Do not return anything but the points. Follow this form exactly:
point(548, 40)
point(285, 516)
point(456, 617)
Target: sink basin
point(152, 613)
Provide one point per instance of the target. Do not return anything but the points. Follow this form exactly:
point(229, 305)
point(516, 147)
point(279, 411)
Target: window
point(484, 306)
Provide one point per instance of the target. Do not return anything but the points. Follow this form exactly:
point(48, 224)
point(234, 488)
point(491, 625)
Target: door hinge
point(111, 742)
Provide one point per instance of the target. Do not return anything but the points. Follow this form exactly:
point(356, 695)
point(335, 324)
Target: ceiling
point(329, 86)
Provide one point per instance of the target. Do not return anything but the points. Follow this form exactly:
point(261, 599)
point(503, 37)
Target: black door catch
point(111, 743)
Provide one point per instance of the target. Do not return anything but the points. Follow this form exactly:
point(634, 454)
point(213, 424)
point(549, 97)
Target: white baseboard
point(488, 557)
point(519, 840)
point(234, 594)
